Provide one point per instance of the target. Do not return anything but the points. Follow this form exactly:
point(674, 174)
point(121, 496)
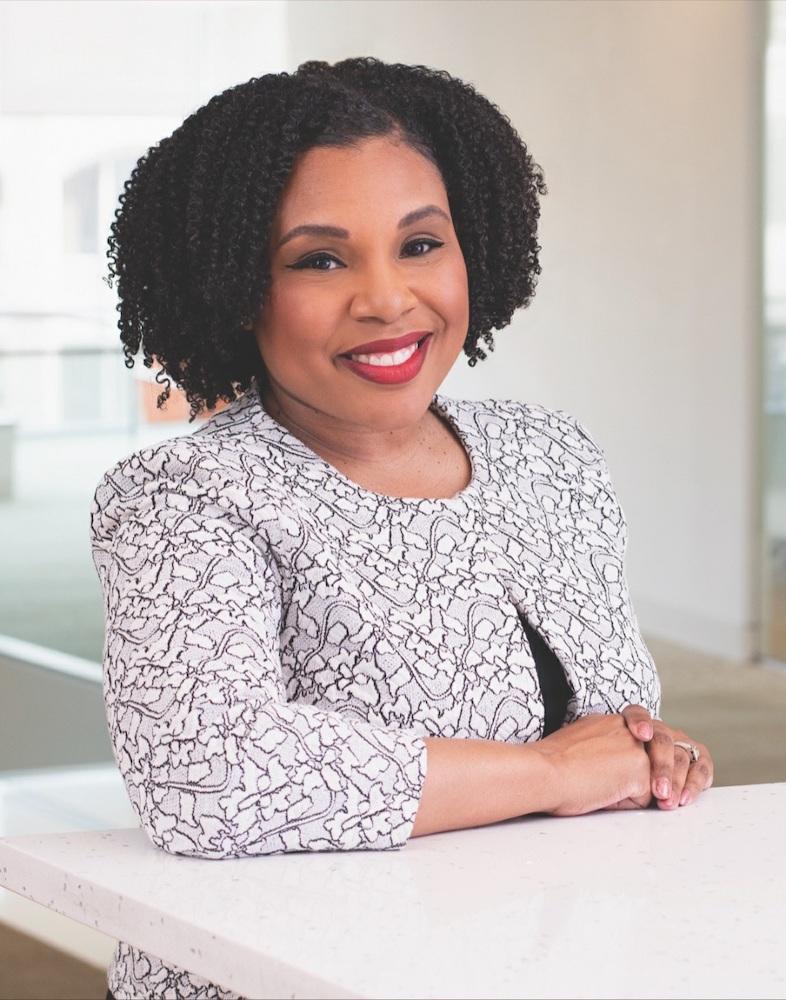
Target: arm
point(638, 681)
point(217, 763)
point(672, 771)
point(476, 782)
point(592, 763)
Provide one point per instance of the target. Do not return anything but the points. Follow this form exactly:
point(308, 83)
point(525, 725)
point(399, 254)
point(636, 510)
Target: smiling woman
point(348, 610)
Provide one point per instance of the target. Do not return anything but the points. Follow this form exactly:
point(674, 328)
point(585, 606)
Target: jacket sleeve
point(216, 762)
point(636, 678)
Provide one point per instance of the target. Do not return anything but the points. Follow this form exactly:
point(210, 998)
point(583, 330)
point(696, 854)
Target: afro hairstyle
point(190, 244)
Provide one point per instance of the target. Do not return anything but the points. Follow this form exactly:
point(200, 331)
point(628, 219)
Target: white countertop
point(646, 903)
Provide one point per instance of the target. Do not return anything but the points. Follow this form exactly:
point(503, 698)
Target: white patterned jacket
point(279, 640)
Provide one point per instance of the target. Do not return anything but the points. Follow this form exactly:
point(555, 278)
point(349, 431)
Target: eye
point(312, 263)
point(424, 242)
point(309, 263)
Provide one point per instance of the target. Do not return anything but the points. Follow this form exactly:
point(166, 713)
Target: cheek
point(451, 295)
point(297, 321)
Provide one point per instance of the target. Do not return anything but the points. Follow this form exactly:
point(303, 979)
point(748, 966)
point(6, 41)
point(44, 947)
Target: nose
point(382, 292)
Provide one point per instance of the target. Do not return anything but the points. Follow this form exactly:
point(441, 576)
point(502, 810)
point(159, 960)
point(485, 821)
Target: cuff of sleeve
point(402, 786)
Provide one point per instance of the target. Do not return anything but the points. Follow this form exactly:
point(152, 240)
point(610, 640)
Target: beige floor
point(738, 711)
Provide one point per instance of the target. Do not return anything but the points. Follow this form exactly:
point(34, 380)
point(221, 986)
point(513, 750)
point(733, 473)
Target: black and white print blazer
point(280, 640)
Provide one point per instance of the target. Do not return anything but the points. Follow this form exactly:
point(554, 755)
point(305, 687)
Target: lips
point(386, 346)
point(391, 375)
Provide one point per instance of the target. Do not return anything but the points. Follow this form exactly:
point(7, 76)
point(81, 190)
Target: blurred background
point(659, 320)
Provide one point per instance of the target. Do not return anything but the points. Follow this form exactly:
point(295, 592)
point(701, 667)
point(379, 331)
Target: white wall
point(646, 120)
point(132, 58)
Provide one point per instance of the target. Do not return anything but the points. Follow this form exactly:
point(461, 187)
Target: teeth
point(396, 358)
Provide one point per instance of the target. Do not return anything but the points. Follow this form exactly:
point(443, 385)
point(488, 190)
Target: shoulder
point(555, 444)
point(211, 461)
point(536, 427)
point(187, 460)
point(174, 476)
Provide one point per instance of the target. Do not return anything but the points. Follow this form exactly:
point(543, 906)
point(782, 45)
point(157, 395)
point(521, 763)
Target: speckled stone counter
point(644, 903)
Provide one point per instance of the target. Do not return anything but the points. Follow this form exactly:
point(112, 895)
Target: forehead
point(340, 184)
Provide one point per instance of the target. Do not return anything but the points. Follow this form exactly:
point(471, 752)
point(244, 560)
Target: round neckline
point(440, 406)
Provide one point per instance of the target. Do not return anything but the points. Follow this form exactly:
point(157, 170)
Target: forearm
point(472, 782)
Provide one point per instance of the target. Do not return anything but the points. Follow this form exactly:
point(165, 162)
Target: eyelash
point(304, 264)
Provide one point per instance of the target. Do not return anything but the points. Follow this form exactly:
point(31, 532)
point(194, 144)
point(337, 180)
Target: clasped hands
point(623, 760)
point(676, 779)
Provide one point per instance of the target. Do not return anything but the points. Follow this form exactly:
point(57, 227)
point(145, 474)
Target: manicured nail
point(663, 788)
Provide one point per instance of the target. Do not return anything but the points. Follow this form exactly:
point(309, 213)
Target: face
point(372, 275)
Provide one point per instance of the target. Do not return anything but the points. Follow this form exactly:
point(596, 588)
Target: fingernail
point(663, 788)
point(685, 797)
point(645, 732)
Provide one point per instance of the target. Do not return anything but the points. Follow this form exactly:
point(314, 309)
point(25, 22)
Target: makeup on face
point(367, 307)
point(391, 368)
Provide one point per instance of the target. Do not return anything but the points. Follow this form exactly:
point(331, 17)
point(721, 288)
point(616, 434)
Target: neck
point(352, 446)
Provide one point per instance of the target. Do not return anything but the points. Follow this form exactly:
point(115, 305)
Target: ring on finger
point(691, 748)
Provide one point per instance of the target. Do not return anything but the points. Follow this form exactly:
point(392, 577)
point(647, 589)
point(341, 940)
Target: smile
point(391, 368)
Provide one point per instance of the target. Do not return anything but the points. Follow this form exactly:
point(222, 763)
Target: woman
point(348, 610)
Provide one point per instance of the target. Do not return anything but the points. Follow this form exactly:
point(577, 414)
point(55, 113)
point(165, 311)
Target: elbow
point(195, 825)
point(220, 827)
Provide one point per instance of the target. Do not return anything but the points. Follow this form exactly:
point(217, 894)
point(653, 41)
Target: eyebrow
point(312, 229)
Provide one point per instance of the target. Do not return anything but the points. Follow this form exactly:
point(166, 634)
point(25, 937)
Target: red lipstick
point(383, 346)
point(391, 374)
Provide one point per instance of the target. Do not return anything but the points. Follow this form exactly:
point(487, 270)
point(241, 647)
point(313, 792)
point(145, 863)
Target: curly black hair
point(190, 241)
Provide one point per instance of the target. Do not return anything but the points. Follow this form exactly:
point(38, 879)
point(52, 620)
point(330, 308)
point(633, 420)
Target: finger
point(699, 778)
point(682, 762)
point(706, 756)
point(639, 721)
point(661, 752)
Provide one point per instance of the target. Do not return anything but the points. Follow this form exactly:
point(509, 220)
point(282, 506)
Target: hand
point(676, 779)
point(595, 763)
